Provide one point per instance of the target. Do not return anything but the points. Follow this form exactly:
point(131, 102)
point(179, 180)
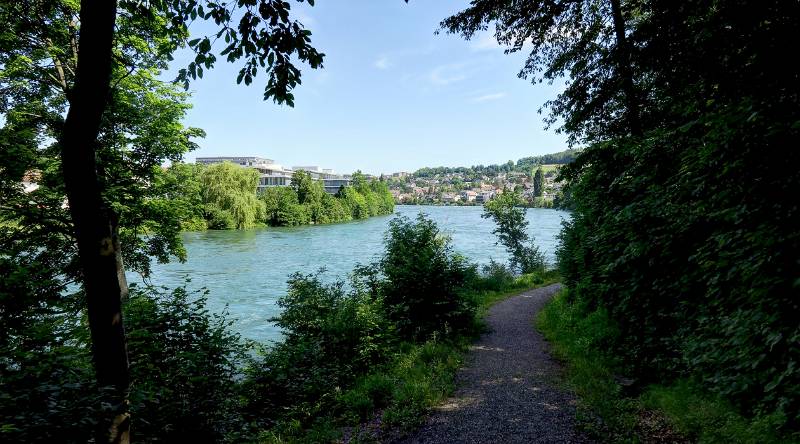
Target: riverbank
point(540, 203)
point(224, 196)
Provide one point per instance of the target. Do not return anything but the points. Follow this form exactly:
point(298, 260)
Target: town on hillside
point(535, 178)
point(464, 188)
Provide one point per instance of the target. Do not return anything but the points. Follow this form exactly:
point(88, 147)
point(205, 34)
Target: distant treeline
point(223, 196)
point(524, 165)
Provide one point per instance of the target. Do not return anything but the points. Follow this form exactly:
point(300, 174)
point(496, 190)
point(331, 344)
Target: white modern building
point(332, 185)
point(331, 181)
point(242, 161)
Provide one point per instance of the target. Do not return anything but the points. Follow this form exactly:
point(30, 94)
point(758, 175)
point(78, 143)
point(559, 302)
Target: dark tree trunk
point(95, 225)
point(623, 55)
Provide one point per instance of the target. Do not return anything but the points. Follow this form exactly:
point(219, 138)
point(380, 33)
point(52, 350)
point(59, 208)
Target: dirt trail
point(507, 392)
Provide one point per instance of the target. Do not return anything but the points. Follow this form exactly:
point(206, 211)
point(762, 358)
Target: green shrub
point(700, 276)
point(194, 224)
point(331, 337)
point(493, 277)
point(356, 405)
point(594, 371)
point(378, 388)
point(709, 419)
point(219, 219)
point(424, 376)
point(47, 387)
point(185, 364)
point(424, 288)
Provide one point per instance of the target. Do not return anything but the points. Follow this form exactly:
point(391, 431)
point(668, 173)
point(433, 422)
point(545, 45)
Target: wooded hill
point(523, 165)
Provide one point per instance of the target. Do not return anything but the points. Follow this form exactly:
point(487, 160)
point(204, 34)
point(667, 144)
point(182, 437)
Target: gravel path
point(506, 393)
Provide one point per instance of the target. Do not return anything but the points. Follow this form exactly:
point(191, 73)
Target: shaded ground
point(506, 392)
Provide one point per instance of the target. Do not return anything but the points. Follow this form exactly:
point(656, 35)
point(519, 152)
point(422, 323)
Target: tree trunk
point(623, 55)
point(95, 226)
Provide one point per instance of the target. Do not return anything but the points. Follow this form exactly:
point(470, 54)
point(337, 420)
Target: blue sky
point(392, 97)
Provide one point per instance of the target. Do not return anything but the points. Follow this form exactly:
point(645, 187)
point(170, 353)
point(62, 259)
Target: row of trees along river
point(223, 196)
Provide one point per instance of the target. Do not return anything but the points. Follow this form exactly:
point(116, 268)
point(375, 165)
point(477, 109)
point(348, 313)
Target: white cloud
point(446, 74)
point(489, 97)
point(382, 63)
point(485, 42)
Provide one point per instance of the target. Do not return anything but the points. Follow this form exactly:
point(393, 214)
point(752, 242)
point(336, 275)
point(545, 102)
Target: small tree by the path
point(512, 232)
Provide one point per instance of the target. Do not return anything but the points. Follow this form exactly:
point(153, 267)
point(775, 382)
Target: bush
point(194, 224)
point(424, 288)
point(699, 275)
point(331, 337)
point(586, 342)
point(185, 364)
point(47, 387)
point(493, 277)
point(219, 219)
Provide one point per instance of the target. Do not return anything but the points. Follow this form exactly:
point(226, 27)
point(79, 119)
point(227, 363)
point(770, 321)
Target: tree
point(309, 191)
point(358, 181)
point(265, 36)
point(538, 182)
point(681, 230)
point(180, 188)
point(231, 189)
point(511, 231)
point(138, 129)
point(356, 202)
point(581, 39)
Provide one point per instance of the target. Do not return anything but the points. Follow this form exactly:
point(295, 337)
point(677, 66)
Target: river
point(247, 270)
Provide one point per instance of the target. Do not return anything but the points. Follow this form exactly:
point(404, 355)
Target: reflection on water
point(247, 270)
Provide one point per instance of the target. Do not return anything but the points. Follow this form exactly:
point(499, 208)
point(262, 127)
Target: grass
point(709, 419)
point(396, 398)
point(522, 283)
point(680, 410)
point(546, 168)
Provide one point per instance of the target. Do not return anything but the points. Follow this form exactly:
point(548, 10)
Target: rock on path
point(507, 391)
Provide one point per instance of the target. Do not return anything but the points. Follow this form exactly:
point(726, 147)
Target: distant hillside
point(526, 164)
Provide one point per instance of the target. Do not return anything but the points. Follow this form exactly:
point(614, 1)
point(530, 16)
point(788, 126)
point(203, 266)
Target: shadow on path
point(506, 392)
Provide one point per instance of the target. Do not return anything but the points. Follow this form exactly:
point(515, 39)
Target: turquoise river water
point(247, 270)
